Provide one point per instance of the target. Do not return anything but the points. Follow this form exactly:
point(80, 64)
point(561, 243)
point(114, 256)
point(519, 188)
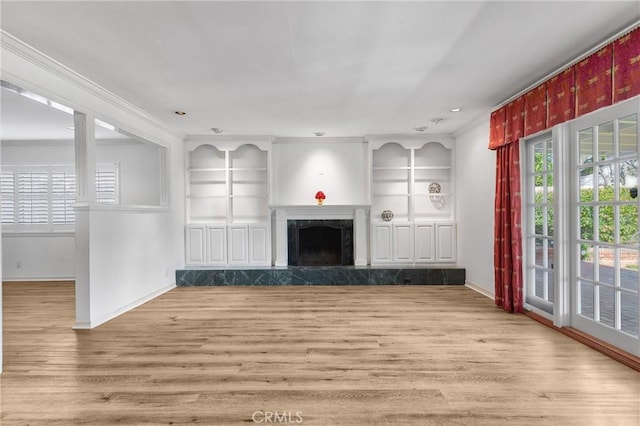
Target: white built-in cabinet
point(414, 180)
point(228, 215)
point(228, 187)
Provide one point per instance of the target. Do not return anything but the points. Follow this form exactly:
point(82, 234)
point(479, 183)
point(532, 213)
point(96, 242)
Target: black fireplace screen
point(320, 242)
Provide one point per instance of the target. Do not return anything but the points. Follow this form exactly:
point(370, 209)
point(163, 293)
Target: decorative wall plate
point(435, 188)
point(387, 215)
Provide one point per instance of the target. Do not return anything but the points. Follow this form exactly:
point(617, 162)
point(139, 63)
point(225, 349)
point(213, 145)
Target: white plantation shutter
point(45, 195)
point(63, 196)
point(33, 198)
point(7, 198)
point(107, 185)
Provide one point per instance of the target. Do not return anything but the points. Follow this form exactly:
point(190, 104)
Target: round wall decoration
point(434, 188)
point(387, 215)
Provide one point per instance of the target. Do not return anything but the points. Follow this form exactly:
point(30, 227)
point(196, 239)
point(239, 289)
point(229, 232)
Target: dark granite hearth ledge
point(320, 275)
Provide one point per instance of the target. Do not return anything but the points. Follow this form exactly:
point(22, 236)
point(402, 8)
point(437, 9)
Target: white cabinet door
point(381, 243)
point(259, 245)
point(195, 245)
point(446, 242)
point(402, 242)
point(216, 245)
point(238, 245)
point(425, 242)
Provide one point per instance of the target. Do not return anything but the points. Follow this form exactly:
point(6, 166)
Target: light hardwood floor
point(388, 355)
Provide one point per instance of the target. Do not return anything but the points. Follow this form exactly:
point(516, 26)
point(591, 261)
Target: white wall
point(131, 259)
point(302, 167)
point(38, 256)
point(475, 188)
point(139, 166)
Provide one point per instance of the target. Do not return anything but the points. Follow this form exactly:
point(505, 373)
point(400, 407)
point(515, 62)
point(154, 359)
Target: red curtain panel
point(594, 82)
point(626, 66)
point(496, 132)
point(508, 230)
point(535, 110)
point(561, 100)
point(514, 126)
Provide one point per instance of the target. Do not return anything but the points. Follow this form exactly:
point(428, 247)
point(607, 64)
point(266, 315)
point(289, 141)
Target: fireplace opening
point(320, 242)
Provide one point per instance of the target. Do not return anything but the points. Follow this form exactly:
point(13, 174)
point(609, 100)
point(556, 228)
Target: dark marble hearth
point(321, 275)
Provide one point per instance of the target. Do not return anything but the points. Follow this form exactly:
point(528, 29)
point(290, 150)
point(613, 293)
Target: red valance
point(610, 75)
point(561, 100)
point(593, 81)
point(626, 66)
point(496, 133)
point(514, 123)
point(535, 110)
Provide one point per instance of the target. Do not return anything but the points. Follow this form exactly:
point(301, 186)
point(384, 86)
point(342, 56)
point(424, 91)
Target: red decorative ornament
point(320, 197)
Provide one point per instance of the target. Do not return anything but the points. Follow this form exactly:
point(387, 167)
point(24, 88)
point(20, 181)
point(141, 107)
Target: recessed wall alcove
point(320, 242)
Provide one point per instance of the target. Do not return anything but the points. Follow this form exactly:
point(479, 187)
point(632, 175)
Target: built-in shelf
point(206, 196)
point(247, 169)
point(392, 168)
point(422, 228)
point(228, 212)
point(207, 169)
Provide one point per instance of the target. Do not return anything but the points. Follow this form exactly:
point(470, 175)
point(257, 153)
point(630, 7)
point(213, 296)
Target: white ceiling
point(295, 68)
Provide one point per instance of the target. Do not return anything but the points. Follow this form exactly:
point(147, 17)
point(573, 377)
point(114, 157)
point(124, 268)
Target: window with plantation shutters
point(33, 198)
point(107, 185)
point(63, 196)
point(7, 198)
point(44, 196)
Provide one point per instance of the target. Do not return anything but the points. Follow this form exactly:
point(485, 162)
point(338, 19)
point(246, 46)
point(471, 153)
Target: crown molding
point(12, 44)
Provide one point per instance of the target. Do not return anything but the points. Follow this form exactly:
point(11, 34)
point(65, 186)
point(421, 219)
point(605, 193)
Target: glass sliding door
point(539, 223)
point(604, 208)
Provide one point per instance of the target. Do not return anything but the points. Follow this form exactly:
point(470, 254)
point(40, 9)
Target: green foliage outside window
point(628, 216)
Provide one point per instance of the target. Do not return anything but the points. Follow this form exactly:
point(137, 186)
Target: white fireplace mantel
point(358, 213)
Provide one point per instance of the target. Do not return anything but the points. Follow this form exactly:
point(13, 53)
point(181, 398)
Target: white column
point(282, 256)
point(85, 198)
point(1, 297)
point(85, 155)
point(360, 238)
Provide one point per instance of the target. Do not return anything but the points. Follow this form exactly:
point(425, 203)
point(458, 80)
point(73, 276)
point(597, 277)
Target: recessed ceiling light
point(437, 120)
point(179, 112)
point(456, 109)
point(319, 133)
point(420, 129)
point(216, 130)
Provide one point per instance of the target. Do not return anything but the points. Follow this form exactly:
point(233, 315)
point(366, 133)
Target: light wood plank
point(380, 355)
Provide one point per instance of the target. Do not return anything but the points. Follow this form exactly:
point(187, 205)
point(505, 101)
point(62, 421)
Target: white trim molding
point(480, 289)
point(93, 323)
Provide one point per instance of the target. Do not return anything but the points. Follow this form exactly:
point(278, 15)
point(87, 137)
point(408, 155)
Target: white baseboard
point(37, 279)
point(479, 289)
point(86, 325)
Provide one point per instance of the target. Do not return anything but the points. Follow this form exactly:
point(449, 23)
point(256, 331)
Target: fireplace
point(320, 242)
